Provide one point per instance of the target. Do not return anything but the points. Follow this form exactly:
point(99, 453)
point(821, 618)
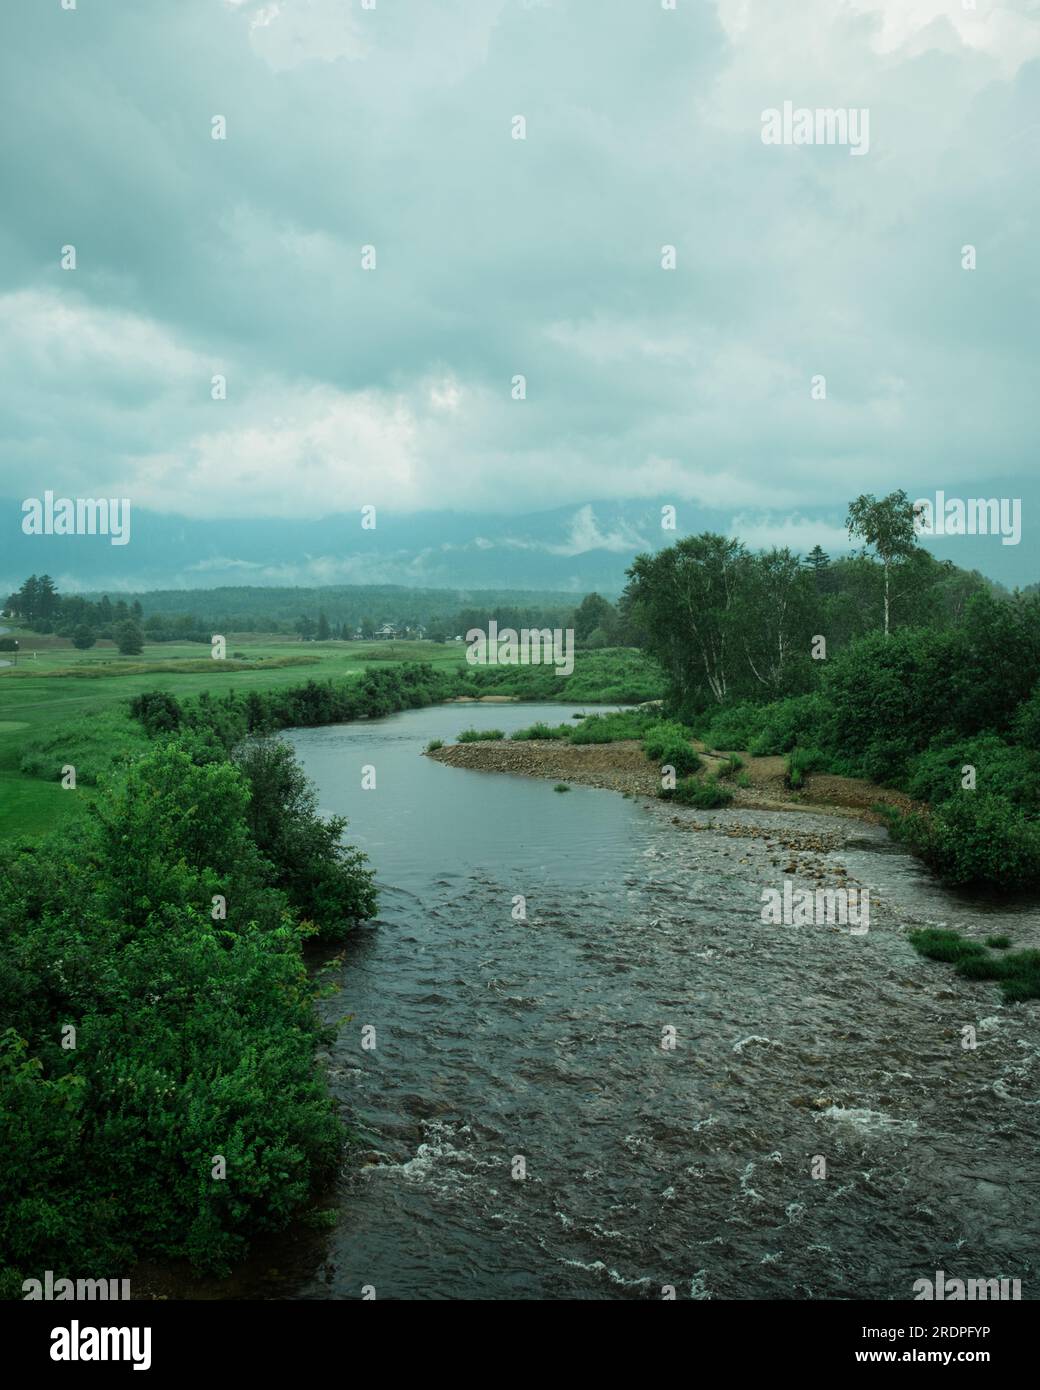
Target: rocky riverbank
point(623, 767)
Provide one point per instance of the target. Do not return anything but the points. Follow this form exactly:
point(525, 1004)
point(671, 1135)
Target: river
point(647, 1169)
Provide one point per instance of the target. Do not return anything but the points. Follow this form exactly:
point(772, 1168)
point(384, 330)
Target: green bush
point(885, 760)
point(480, 736)
point(327, 882)
point(801, 762)
point(735, 727)
point(787, 723)
point(668, 745)
point(975, 838)
point(434, 744)
point(1000, 767)
point(195, 1034)
point(706, 795)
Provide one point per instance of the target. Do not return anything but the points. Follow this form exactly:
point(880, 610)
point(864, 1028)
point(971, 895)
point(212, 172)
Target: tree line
point(887, 665)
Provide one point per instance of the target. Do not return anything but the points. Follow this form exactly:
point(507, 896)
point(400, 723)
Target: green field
point(60, 684)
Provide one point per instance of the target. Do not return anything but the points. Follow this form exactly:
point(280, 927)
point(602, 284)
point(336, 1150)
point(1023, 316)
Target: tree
point(47, 599)
point(773, 616)
point(83, 638)
point(888, 526)
point(27, 600)
point(323, 628)
point(593, 612)
point(129, 638)
point(682, 597)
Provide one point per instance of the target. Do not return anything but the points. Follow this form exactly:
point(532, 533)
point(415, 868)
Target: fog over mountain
point(577, 550)
point(335, 301)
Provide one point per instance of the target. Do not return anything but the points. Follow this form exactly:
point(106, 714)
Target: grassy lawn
point(59, 684)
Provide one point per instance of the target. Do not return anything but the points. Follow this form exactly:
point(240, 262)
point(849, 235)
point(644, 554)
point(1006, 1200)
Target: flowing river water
point(649, 1168)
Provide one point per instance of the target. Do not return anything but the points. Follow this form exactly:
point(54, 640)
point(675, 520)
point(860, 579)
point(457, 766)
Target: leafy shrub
point(885, 760)
point(1014, 772)
point(706, 795)
point(615, 727)
point(801, 762)
point(668, 744)
point(327, 882)
point(434, 744)
point(158, 711)
point(480, 735)
point(195, 1034)
point(787, 723)
point(735, 727)
point(975, 838)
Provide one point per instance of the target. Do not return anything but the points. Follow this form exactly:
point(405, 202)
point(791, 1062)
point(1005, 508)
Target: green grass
point(66, 706)
point(480, 736)
point(1017, 972)
point(59, 705)
point(541, 730)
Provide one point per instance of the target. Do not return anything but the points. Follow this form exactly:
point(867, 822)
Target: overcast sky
point(392, 127)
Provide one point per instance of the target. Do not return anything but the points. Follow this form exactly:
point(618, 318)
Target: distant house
point(386, 633)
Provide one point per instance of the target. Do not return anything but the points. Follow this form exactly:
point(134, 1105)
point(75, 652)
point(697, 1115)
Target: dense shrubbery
point(616, 675)
point(326, 881)
point(975, 838)
point(481, 736)
point(614, 727)
point(195, 1032)
point(919, 710)
point(939, 773)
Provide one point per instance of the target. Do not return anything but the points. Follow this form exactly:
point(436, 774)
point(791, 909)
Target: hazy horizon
point(330, 305)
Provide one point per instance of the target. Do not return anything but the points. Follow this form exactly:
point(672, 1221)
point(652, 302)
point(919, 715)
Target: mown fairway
point(59, 686)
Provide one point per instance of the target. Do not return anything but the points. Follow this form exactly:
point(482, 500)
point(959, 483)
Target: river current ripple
point(646, 1168)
